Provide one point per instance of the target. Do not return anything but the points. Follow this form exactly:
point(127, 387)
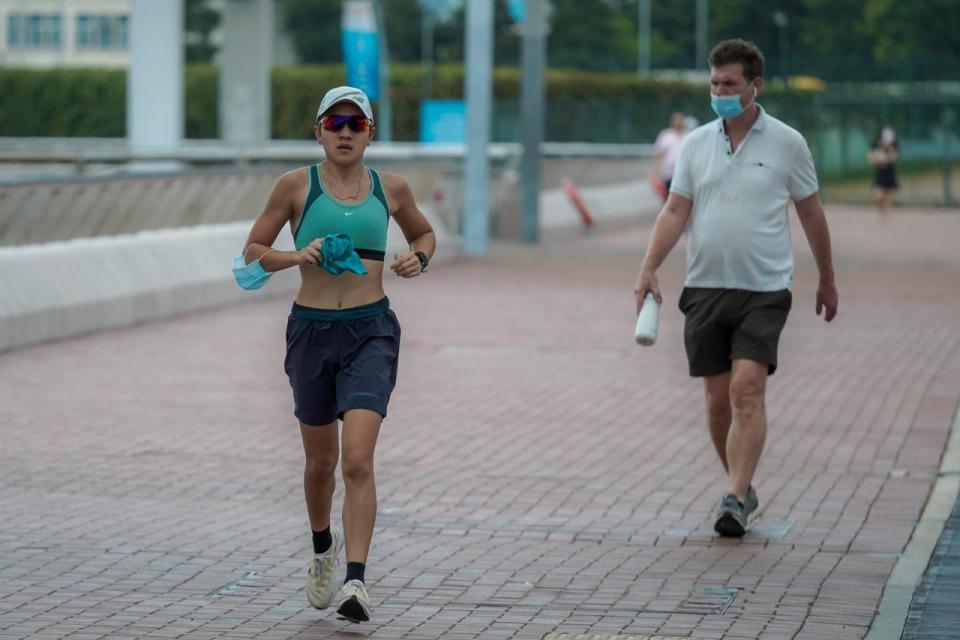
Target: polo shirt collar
point(759, 125)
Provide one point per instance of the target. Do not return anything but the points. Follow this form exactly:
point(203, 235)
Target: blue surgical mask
point(728, 106)
point(250, 276)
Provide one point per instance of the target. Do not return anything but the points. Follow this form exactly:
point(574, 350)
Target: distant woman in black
point(883, 156)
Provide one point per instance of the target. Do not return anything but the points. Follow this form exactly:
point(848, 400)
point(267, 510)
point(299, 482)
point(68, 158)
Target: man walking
point(732, 184)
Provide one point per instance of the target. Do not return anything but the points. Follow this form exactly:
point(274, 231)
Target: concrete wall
point(61, 289)
point(96, 254)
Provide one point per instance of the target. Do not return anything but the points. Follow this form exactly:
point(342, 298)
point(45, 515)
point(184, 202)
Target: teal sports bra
point(365, 222)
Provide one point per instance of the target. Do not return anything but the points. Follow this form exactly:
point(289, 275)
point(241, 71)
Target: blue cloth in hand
point(339, 256)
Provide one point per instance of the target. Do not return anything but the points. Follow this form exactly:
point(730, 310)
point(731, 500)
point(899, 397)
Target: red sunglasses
point(357, 124)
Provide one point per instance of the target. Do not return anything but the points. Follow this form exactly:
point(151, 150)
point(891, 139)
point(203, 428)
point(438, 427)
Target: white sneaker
point(353, 602)
point(321, 573)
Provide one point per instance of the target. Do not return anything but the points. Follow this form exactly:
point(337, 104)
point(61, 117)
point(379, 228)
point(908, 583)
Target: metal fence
point(61, 189)
point(928, 134)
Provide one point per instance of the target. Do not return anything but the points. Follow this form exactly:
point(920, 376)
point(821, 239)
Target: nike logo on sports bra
point(348, 213)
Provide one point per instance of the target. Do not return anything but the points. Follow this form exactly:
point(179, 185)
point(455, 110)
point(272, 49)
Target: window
point(83, 32)
point(13, 31)
point(34, 31)
point(101, 31)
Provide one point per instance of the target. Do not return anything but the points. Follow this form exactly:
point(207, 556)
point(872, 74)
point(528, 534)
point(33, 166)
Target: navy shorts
point(338, 360)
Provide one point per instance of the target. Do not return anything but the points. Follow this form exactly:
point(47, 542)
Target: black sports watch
point(424, 260)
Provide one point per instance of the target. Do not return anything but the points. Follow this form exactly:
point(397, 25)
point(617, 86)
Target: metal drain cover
point(247, 585)
point(772, 530)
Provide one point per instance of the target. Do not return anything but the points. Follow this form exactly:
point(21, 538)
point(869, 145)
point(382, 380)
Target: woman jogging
point(342, 338)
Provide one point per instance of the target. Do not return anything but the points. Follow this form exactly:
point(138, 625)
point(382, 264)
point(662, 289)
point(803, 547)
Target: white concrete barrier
point(60, 289)
point(608, 203)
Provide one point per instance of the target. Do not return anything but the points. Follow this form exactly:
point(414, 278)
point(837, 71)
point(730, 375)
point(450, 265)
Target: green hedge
point(62, 102)
point(202, 88)
point(92, 102)
point(582, 106)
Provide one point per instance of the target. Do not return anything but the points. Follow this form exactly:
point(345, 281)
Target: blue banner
point(517, 10)
point(361, 54)
point(361, 46)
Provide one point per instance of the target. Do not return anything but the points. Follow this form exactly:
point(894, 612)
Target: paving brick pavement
point(538, 472)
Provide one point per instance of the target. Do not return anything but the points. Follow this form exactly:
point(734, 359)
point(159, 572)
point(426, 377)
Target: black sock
point(322, 540)
point(355, 571)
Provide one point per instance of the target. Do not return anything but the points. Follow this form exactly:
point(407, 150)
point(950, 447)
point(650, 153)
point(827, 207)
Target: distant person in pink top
point(665, 152)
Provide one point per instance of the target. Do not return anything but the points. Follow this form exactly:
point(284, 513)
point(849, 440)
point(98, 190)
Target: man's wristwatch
point(422, 257)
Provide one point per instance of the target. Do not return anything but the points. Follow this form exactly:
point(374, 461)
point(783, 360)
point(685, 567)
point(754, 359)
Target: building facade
point(64, 33)
point(89, 33)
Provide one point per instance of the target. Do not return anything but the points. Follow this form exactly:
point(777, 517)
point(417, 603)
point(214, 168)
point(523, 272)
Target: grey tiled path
point(933, 612)
point(537, 473)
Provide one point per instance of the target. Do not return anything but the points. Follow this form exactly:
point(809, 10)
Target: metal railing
point(60, 189)
point(83, 152)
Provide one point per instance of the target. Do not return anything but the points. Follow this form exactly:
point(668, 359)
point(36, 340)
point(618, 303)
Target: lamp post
point(532, 116)
point(703, 18)
point(479, 94)
point(385, 117)
point(155, 78)
point(781, 20)
point(643, 37)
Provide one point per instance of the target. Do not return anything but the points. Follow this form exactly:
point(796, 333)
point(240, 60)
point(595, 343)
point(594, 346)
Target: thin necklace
point(326, 178)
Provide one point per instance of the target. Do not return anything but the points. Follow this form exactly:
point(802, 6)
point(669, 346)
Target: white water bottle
point(645, 333)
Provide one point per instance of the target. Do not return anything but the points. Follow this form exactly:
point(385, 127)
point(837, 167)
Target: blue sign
point(361, 53)
point(361, 46)
point(443, 121)
point(518, 10)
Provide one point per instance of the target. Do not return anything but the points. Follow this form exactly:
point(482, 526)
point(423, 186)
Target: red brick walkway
point(538, 472)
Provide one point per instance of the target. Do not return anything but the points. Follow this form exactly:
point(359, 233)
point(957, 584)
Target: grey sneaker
point(353, 602)
point(751, 508)
point(731, 517)
point(321, 573)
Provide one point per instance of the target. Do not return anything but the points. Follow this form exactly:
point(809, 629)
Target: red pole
point(578, 202)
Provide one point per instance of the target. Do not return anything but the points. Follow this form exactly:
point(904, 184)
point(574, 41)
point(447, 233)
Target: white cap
point(345, 94)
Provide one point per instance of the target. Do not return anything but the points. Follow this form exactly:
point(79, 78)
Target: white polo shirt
point(739, 229)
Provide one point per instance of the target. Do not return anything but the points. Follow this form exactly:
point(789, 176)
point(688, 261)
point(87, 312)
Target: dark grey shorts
point(338, 360)
point(722, 325)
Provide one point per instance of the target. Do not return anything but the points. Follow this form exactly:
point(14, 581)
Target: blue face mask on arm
point(250, 276)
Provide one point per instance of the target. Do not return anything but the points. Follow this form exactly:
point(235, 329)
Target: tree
point(831, 39)
point(314, 27)
point(920, 40)
point(200, 20)
point(403, 19)
point(587, 34)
